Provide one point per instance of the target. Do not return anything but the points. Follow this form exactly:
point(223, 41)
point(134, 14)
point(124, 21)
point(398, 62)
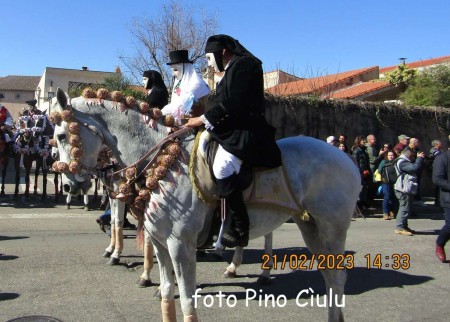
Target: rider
point(188, 89)
point(6, 123)
point(236, 120)
point(157, 94)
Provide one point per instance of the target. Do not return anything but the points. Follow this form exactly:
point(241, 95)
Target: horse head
point(78, 143)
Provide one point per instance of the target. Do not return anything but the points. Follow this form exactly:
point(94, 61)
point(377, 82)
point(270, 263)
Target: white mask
point(212, 61)
point(144, 82)
point(177, 71)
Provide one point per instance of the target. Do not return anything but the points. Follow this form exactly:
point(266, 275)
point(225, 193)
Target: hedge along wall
point(293, 116)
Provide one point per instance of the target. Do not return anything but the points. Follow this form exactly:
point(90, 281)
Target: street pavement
point(51, 265)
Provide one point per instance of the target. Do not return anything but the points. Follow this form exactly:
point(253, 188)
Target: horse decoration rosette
point(178, 219)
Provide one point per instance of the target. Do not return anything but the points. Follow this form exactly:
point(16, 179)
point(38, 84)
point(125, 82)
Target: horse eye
point(61, 137)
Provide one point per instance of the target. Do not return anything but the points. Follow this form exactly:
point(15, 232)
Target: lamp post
point(38, 95)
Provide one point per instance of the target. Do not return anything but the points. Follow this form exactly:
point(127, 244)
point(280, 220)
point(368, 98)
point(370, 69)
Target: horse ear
point(62, 98)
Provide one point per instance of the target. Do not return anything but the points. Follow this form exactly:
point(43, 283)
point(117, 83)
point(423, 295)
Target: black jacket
point(441, 177)
point(237, 114)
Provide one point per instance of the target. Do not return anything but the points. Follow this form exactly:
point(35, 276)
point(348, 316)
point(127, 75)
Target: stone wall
point(320, 118)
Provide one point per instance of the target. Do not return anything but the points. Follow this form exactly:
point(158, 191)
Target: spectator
point(388, 178)
point(403, 140)
point(374, 153)
point(435, 150)
point(414, 145)
point(441, 178)
point(362, 162)
point(343, 140)
point(331, 140)
point(375, 156)
point(408, 162)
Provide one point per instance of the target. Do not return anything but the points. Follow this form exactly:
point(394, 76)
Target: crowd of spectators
point(376, 164)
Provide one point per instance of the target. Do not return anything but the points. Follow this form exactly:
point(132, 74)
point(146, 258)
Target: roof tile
point(19, 83)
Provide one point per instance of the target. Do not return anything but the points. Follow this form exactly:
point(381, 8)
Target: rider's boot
point(237, 233)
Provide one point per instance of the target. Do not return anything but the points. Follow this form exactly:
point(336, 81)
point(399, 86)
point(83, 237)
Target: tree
point(177, 27)
point(116, 82)
point(401, 77)
point(430, 88)
point(119, 82)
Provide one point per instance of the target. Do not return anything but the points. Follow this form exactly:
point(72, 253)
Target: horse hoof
point(229, 274)
point(113, 261)
point(107, 254)
point(144, 283)
point(264, 280)
point(86, 208)
point(67, 206)
point(157, 295)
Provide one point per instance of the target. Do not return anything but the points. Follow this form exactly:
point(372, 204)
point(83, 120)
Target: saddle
point(260, 186)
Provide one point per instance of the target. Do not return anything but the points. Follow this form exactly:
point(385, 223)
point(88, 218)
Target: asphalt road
point(51, 265)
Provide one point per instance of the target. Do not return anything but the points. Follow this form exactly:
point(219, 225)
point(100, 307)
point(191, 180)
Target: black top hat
point(178, 57)
point(32, 102)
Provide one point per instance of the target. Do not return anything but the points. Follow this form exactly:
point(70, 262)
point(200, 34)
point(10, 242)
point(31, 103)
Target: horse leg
point(264, 278)
point(61, 184)
point(230, 272)
point(110, 249)
point(28, 165)
point(68, 200)
point(36, 174)
point(86, 202)
point(56, 183)
point(330, 241)
point(167, 282)
point(182, 253)
point(144, 279)
point(17, 176)
point(95, 189)
point(5, 166)
point(103, 199)
point(117, 219)
point(44, 185)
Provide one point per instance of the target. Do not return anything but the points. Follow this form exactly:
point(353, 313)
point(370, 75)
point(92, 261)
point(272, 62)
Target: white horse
point(321, 180)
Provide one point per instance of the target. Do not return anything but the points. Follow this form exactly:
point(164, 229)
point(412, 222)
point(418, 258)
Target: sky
point(302, 37)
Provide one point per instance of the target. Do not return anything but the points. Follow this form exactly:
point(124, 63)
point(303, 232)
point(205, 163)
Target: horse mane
point(127, 132)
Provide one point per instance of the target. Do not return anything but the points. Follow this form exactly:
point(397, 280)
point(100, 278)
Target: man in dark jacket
point(441, 178)
point(236, 120)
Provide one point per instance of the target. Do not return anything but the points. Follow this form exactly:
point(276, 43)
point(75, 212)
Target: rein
point(157, 148)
